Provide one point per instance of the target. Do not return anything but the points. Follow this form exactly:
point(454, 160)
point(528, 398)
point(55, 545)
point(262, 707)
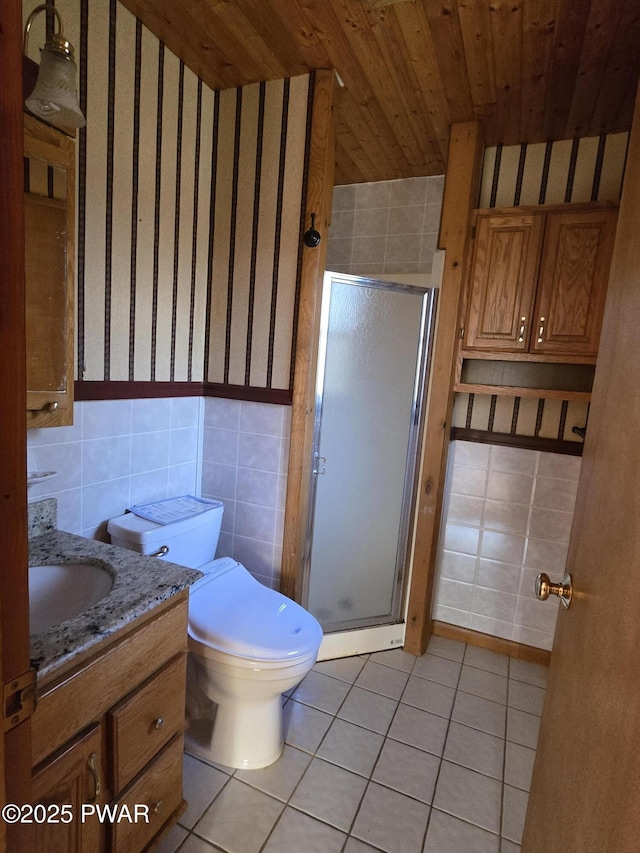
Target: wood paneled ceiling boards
point(528, 70)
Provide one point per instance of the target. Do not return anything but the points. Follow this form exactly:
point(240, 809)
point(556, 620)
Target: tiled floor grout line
point(315, 755)
point(384, 740)
point(441, 759)
point(410, 674)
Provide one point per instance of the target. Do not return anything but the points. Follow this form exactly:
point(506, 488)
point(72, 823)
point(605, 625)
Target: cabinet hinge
point(19, 699)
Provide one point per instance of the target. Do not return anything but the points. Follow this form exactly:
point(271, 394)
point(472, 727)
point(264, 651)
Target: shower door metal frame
point(412, 465)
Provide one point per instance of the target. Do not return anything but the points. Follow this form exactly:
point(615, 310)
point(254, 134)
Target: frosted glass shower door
point(371, 374)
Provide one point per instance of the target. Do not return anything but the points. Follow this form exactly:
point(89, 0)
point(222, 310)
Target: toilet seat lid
point(237, 614)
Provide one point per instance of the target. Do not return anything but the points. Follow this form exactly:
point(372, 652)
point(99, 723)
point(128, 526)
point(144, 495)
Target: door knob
point(545, 588)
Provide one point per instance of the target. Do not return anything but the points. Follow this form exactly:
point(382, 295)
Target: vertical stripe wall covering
point(570, 170)
point(189, 213)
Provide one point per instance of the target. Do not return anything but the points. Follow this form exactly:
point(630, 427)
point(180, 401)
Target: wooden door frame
point(320, 174)
point(462, 185)
point(14, 616)
point(461, 192)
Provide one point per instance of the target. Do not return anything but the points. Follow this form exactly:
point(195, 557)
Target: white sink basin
point(60, 591)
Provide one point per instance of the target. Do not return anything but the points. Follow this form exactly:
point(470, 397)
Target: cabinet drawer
point(159, 788)
point(145, 720)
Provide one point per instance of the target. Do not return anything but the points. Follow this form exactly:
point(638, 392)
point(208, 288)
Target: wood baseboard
point(494, 644)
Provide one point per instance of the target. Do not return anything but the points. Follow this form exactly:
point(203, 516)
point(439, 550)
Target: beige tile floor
point(384, 752)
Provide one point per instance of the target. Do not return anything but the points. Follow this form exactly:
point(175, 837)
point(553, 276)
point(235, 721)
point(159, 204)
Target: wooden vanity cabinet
point(537, 282)
point(49, 202)
point(115, 722)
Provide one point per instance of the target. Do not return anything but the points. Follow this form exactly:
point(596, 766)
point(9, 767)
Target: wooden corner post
point(461, 190)
point(319, 197)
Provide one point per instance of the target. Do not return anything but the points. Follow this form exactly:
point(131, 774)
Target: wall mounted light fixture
point(54, 97)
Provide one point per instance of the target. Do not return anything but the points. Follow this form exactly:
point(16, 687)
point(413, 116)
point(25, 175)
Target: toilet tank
point(190, 541)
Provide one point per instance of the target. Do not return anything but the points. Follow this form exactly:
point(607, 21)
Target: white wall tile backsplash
point(117, 453)
point(507, 516)
point(121, 452)
point(245, 454)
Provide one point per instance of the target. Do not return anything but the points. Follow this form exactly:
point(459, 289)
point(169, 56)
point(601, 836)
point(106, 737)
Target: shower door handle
point(320, 466)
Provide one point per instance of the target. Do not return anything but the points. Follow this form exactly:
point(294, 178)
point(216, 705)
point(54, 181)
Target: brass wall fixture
point(54, 97)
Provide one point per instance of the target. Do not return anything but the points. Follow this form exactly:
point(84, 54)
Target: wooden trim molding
point(494, 644)
point(138, 390)
point(15, 744)
point(319, 197)
point(461, 191)
point(527, 442)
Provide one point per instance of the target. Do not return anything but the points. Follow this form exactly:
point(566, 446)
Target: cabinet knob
point(157, 808)
point(158, 723)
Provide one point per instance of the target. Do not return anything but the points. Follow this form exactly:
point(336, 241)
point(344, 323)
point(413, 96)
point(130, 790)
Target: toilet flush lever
point(321, 464)
point(162, 551)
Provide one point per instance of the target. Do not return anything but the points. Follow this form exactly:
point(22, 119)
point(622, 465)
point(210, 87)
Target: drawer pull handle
point(157, 807)
point(97, 784)
point(158, 723)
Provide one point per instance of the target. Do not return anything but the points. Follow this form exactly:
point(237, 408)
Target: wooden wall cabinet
point(537, 283)
point(111, 731)
point(49, 272)
point(538, 280)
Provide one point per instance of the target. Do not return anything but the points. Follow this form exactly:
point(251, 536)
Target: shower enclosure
point(373, 363)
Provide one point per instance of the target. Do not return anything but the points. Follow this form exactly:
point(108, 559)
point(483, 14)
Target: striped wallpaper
point(570, 170)
point(523, 418)
point(189, 212)
point(579, 170)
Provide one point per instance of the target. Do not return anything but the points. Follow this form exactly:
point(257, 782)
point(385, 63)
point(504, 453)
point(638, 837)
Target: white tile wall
point(245, 456)
point(117, 453)
point(121, 452)
point(385, 227)
point(507, 516)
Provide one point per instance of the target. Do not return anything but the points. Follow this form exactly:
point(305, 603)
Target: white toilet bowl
point(249, 644)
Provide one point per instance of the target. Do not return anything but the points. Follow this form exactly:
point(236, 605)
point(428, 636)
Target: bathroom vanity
point(107, 731)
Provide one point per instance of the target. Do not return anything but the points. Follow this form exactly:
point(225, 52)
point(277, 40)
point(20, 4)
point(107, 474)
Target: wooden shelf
point(512, 391)
point(526, 356)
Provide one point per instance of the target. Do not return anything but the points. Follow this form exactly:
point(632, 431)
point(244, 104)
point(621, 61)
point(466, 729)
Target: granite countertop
point(141, 583)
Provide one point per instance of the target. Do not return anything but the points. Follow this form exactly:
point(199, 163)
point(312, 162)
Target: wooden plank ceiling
point(528, 70)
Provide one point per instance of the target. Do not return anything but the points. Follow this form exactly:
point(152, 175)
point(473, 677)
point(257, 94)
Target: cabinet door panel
point(70, 779)
point(573, 281)
point(503, 278)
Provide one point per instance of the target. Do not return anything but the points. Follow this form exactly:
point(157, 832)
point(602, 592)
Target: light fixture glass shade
point(54, 97)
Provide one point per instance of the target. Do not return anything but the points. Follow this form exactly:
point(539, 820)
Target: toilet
point(248, 644)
